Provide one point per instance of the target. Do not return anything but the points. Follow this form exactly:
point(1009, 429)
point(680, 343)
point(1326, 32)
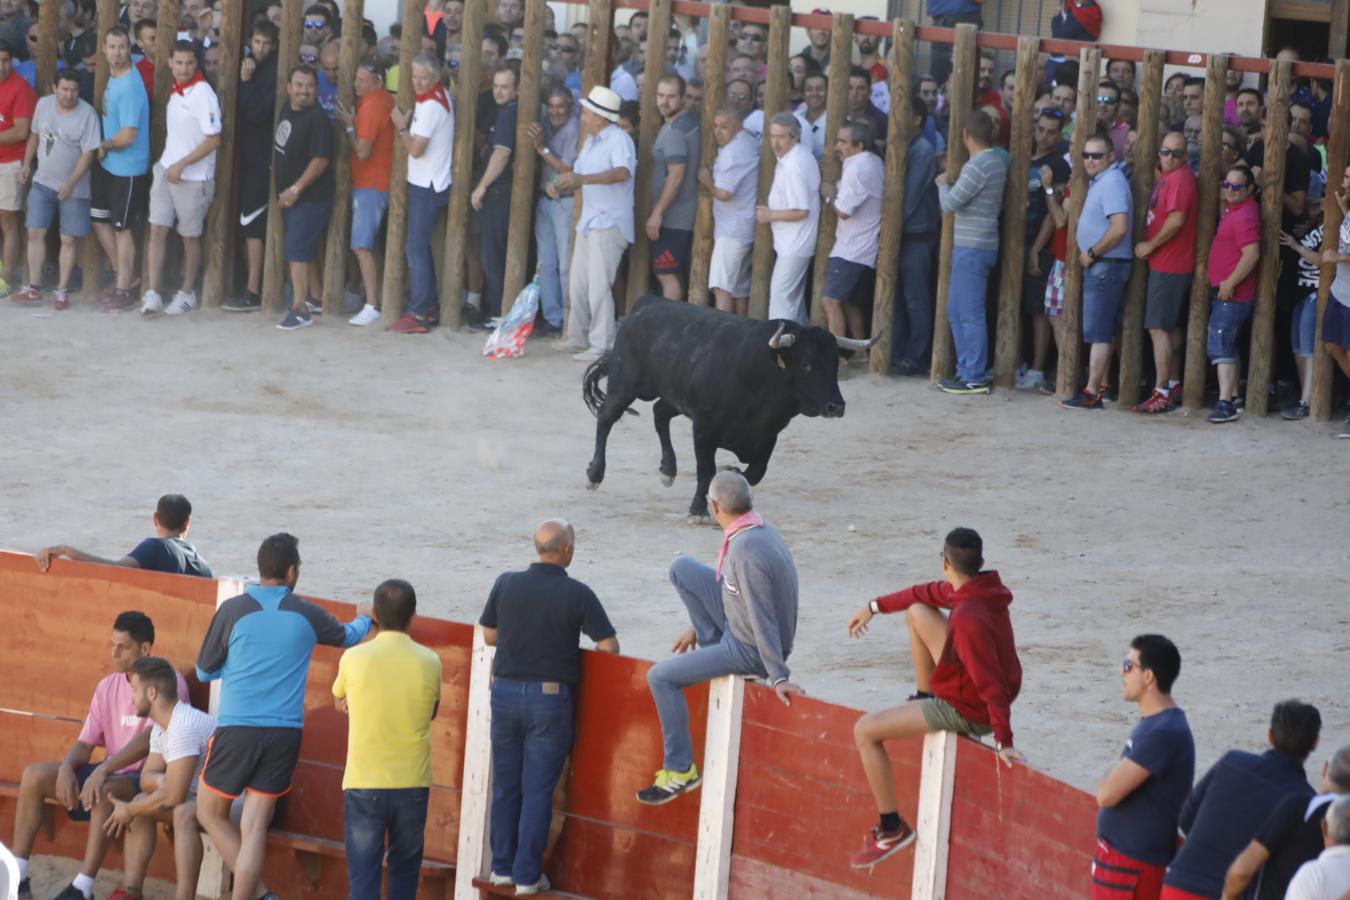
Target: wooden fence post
point(166, 23)
point(91, 258)
point(961, 96)
point(649, 124)
point(525, 162)
point(274, 262)
point(1272, 206)
point(775, 101)
point(49, 21)
point(461, 183)
point(1147, 139)
point(218, 240)
point(340, 223)
point(714, 95)
point(1206, 221)
point(475, 804)
point(717, 801)
point(1066, 382)
point(1008, 331)
point(933, 822)
point(1339, 146)
point(893, 198)
point(836, 112)
point(396, 230)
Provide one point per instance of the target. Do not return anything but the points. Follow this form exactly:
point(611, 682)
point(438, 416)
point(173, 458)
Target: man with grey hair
point(555, 138)
point(853, 259)
point(732, 180)
point(535, 619)
point(792, 210)
point(1328, 876)
point(744, 615)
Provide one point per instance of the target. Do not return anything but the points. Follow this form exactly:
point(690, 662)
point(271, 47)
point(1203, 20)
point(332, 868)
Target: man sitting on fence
point(167, 551)
point(966, 675)
point(744, 615)
point(84, 790)
point(733, 181)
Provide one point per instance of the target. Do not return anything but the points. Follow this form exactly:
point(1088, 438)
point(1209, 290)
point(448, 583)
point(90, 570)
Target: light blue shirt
point(607, 205)
point(125, 105)
point(1108, 195)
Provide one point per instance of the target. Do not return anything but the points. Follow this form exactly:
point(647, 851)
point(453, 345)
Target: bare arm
point(489, 636)
point(705, 178)
point(608, 645)
point(202, 150)
point(124, 138)
point(495, 167)
point(1115, 233)
point(416, 146)
point(1170, 226)
point(1043, 236)
point(308, 177)
point(1124, 778)
point(1244, 869)
point(1251, 255)
point(18, 134)
point(45, 556)
point(674, 177)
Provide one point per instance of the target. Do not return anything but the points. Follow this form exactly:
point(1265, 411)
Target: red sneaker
point(118, 303)
point(1156, 403)
point(28, 296)
point(1174, 396)
point(123, 894)
point(881, 844)
point(60, 299)
point(409, 324)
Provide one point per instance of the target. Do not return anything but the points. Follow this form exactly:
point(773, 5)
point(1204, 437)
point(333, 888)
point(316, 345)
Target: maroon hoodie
point(979, 673)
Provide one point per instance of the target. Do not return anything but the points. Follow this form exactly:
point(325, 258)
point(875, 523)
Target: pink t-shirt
point(112, 721)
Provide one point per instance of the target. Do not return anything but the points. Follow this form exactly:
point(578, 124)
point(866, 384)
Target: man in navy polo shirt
point(168, 551)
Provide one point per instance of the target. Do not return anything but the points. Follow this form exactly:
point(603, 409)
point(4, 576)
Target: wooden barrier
point(396, 229)
point(1272, 207)
point(1066, 381)
point(775, 100)
point(1338, 147)
point(274, 262)
point(649, 125)
point(166, 25)
point(1148, 137)
point(893, 198)
point(338, 240)
point(49, 22)
point(961, 97)
point(714, 95)
point(525, 162)
point(1206, 220)
point(836, 112)
point(461, 185)
point(218, 239)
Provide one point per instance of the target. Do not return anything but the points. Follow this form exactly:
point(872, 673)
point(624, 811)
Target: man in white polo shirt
point(853, 260)
point(793, 208)
point(184, 180)
point(604, 173)
point(733, 180)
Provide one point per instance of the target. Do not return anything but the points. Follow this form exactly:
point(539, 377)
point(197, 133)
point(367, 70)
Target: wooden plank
point(476, 800)
point(960, 95)
point(1340, 26)
point(893, 199)
point(91, 259)
point(1148, 136)
point(775, 100)
point(526, 162)
point(218, 238)
point(340, 222)
point(166, 29)
point(1066, 382)
point(1337, 149)
point(274, 262)
point(717, 805)
point(649, 122)
point(836, 113)
point(1206, 221)
point(714, 95)
point(396, 231)
point(49, 21)
point(934, 821)
point(1008, 332)
point(466, 111)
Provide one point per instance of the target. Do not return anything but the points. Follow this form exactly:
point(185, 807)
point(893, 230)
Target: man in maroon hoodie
point(966, 676)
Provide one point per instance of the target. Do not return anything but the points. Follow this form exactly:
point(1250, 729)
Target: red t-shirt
point(1174, 191)
point(1240, 226)
point(147, 70)
point(17, 101)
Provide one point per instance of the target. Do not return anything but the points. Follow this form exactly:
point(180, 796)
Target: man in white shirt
point(428, 135)
point(184, 180)
point(857, 203)
point(1328, 876)
point(792, 210)
point(623, 84)
point(732, 180)
point(815, 93)
point(604, 173)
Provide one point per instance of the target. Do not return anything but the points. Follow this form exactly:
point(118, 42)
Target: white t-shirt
point(1328, 876)
point(813, 133)
point(796, 185)
point(188, 734)
point(191, 117)
point(736, 169)
point(433, 121)
point(754, 124)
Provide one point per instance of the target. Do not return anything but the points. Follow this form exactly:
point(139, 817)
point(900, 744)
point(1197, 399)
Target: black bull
point(740, 381)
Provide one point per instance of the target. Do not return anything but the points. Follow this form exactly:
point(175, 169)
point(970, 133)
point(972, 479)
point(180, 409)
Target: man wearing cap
point(603, 172)
point(792, 210)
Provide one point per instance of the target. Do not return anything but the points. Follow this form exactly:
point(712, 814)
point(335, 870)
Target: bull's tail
point(591, 392)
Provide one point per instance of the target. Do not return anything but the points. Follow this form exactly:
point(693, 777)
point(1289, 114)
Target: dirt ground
point(49, 875)
point(414, 457)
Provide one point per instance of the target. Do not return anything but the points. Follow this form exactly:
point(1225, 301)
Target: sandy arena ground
point(414, 457)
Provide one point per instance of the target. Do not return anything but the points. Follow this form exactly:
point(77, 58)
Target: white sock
point(23, 868)
point(475, 300)
point(85, 885)
point(1171, 384)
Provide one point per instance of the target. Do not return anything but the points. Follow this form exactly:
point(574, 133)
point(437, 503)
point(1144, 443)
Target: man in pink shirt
point(1232, 277)
point(83, 789)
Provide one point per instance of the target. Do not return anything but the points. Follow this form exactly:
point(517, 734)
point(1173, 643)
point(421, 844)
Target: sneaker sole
point(692, 786)
point(294, 327)
point(894, 849)
point(244, 309)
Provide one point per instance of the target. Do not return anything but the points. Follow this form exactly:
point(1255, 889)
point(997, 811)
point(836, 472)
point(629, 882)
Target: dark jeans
point(912, 317)
point(495, 217)
point(372, 816)
point(531, 737)
point(424, 207)
point(940, 65)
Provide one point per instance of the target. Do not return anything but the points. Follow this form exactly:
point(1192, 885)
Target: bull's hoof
point(736, 469)
point(667, 480)
point(591, 485)
point(704, 519)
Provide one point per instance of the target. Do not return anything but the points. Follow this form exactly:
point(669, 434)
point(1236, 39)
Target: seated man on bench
point(81, 787)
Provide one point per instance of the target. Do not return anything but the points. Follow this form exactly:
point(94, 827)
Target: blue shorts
point(306, 224)
point(1226, 318)
point(843, 278)
point(1336, 324)
point(368, 206)
point(42, 211)
point(82, 773)
point(1303, 335)
point(1103, 288)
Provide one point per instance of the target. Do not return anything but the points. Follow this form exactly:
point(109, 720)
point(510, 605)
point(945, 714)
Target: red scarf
point(181, 89)
point(438, 94)
point(751, 519)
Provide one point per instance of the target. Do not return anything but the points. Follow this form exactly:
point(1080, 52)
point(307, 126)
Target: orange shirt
point(373, 124)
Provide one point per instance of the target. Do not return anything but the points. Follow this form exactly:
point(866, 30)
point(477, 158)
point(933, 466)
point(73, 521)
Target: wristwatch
point(1049, 192)
point(545, 152)
point(874, 607)
point(1092, 253)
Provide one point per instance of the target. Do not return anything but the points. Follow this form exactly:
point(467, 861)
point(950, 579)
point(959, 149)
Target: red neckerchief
point(751, 519)
point(181, 89)
point(438, 94)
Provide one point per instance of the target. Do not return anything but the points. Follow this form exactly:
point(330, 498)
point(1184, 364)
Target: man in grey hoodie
point(744, 615)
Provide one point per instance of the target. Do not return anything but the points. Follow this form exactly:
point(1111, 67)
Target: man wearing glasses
point(1109, 118)
point(318, 26)
point(1140, 799)
point(1232, 277)
point(567, 51)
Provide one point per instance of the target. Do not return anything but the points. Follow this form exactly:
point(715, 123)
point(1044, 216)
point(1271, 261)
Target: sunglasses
point(308, 58)
point(1175, 154)
point(562, 48)
point(1129, 665)
point(752, 36)
point(1089, 154)
point(1232, 185)
point(1108, 101)
point(1052, 113)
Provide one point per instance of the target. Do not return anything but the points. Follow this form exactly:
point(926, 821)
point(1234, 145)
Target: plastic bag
point(508, 339)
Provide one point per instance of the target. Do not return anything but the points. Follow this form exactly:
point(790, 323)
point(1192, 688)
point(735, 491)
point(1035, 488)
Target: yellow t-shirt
point(392, 684)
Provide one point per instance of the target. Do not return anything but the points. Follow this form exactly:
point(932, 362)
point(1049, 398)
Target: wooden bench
point(309, 852)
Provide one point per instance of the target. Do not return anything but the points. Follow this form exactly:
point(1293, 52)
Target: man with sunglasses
point(1232, 277)
point(1109, 118)
point(1140, 799)
point(318, 27)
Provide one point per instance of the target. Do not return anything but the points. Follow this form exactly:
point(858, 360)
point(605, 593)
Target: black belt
point(1103, 259)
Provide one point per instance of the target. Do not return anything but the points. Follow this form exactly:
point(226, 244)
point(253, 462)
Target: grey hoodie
point(759, 594)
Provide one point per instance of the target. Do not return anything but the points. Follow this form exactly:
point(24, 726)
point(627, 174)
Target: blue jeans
point(424, 206)
point(718, 653)
point(912, 318)
point(553, 236)
point(372, 816)
point(965, 311)
point(1103, 290)
point(531, 737)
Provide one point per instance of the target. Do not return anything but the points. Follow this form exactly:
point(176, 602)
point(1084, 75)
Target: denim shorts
point(42, 212)
point(1303, 334)
point(306, 225)
point(368, 206)
point(1226, 318)
point(1103, 288)
point(1336, 323)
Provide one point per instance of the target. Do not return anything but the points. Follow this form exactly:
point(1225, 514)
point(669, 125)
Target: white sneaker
point(368, 315)
point(539, 887)
point(590, 355)
point(183, 302)
point(500, 880)
point(151, 302)
point(1030, 380)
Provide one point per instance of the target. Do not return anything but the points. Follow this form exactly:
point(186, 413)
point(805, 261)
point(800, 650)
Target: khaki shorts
point(11, 189)
point(185, 203)
point(941, 716)
point(729, 268)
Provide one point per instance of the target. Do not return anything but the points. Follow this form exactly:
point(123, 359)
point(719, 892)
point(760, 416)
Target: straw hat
point(603, 102)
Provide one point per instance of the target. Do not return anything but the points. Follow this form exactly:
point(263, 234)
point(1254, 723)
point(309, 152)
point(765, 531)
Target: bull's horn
point(855, 344)
point(781, 341)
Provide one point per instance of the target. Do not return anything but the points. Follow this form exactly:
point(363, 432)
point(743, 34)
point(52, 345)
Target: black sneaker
point(1224, 411)
point(961, 386)
point(1082, 400)
point(669, 785)
point(245, 302)
point(295, 319)
point(25, 890)
point(315, 309)
point(70, 893)
point(905, 368)
point(1296, 411)
point(544, 329)
point(918, 695)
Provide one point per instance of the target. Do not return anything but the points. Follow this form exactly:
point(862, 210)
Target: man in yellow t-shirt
point(390, 688)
